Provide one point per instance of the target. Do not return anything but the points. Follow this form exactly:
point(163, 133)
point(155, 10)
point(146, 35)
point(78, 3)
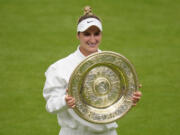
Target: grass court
point(36, 33)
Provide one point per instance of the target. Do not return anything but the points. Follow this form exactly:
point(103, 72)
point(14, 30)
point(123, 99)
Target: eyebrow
point(93, 32)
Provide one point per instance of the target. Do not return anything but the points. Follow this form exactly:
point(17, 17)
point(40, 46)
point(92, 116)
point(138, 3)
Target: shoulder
point(62, 63)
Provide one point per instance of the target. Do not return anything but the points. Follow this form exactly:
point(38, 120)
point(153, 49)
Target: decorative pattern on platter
point(103, 85)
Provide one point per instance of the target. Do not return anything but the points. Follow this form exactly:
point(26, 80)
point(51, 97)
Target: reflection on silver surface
point(103, 85)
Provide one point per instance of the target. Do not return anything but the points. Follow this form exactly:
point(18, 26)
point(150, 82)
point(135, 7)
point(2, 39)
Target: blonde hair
point(87, 11)
point(88, 14)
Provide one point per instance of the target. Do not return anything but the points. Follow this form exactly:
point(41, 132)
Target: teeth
point(91, 44)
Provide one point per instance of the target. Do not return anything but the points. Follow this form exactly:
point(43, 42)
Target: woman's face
point(89, 40)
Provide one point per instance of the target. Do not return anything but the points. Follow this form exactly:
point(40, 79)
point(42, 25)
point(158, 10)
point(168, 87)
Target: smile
point(92, 44)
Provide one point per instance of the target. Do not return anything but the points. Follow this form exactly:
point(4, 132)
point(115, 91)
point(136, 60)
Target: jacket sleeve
point(54, 91)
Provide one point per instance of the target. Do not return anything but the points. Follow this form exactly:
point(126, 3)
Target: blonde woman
point(89, 34)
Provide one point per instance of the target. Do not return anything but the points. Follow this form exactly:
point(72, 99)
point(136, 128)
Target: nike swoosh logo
point(89, 21)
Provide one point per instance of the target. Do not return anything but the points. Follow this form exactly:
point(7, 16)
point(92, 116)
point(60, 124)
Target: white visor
point(85, 24)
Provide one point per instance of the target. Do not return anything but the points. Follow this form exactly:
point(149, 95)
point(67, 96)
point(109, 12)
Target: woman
point(89, 34)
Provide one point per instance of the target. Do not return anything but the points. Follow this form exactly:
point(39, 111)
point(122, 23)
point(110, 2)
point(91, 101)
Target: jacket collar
point(81, 55)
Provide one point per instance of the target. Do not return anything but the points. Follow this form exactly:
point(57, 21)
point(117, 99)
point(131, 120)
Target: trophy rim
point(84, 61)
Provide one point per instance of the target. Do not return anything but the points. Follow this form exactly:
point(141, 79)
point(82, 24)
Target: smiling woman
point(89, 40)
point(89, 34)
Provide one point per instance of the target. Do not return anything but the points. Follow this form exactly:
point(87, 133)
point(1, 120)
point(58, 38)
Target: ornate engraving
point(103, 85)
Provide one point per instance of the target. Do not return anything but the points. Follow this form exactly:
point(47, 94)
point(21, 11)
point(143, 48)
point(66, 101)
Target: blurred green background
point(36, 33)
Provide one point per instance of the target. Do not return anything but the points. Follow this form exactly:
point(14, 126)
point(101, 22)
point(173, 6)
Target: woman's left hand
point(136, 96)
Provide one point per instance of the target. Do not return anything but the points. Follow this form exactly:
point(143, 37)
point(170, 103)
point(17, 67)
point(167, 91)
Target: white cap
point(85, 24)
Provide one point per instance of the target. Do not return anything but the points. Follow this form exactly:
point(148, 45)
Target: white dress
point(57, 78)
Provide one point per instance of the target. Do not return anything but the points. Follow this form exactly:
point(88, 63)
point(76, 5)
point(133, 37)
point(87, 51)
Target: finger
point(136, 97)
point(140, 85)
point(135, 100)
point(71, 104)
point(68, 97)
point(71, 101)
point(137, 93)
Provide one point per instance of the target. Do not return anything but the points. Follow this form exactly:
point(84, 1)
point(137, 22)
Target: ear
point(77, 35)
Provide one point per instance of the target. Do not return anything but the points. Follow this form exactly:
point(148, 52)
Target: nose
point(92, 38)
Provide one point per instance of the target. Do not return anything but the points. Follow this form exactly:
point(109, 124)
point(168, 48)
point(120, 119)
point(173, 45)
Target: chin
point(93, 50)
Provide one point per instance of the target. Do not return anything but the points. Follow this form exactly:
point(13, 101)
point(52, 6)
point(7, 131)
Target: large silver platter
point(103, 85)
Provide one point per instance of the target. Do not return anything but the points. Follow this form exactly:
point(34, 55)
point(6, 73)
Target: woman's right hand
point(70, 101)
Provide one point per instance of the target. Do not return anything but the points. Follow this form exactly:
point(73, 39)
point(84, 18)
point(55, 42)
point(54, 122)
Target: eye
point(96, 33)
point(86, 34)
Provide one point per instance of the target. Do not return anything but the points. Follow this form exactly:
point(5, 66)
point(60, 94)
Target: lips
point(92, 45)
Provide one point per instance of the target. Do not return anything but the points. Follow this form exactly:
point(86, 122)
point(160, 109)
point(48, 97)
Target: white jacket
point(57, 78)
